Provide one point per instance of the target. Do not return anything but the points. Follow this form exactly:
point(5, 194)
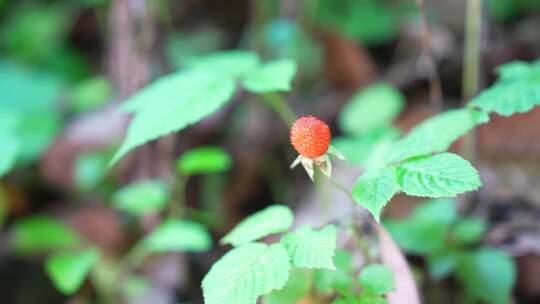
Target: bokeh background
point(66, 65)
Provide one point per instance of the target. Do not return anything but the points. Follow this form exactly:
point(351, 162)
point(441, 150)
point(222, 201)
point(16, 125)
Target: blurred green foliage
point(451, 245)
point(203, 160)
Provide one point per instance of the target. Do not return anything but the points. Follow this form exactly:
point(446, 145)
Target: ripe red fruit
point(310, 136)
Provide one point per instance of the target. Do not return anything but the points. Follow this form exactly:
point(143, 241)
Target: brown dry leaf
point(406, 290)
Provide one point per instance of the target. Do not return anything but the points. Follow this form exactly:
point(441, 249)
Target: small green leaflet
point(273, 219)
point(230, 64)
point(271, 77)
point(68, 271)
point(38, 234)
point(203, 160)
point(517, 90)
point(469, 230)
point(440, 175)
point(172, 103)
point(90, 169)
point(245, 273)
point(142, 197)
point(90, 94)
point(178, 235)
point(312, 249)
point(442, 264)
point(488, 274)
point(9, 148)
point(377, 279)
point(370, 109)
point(435, 134)
point(374, 190)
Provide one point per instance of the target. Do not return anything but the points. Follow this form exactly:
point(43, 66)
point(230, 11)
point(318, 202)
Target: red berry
point(310, 136)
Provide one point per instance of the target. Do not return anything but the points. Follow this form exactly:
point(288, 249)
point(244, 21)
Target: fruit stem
point(282, 108)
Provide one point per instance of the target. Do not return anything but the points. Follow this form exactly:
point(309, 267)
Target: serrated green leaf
point(370, 109)
point(374, 190)
point(517, 91)
point(310, 248)
point(469, 230)
point(426, 230)
point(488, 275)
point(435, 134)
point(178, 235)
point(296, 288)
point(271, 77)
point(203, 160)
point(38, 234)
point(9, 147)
point(377, 279)
point(246, 273)
point(68, 271)
point(171, 104)
point(440, 175)
point(143, 197)
point(273, 219)
point(230, 64)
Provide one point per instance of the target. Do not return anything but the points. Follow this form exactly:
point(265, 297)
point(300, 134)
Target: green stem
point(178, 200)
point(282, 108)
point(471, 67)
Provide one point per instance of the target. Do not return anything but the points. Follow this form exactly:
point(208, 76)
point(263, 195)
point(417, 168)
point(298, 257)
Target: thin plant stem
point(282, 108)
point(435, 90)
point(178, 200)
point(471, 67)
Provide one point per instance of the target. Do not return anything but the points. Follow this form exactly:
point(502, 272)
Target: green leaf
point(180, 47)
point(440, 175)
point(369, 21)
point(517, 91)
point(270, 77)
point(370, 109)
point(37, 234)
point(90, 94)
point(90, 169)
point(30, 97)
point(426, 230)
point(273, 219)
point(295, 289)
point(312, 249)
point(377, 279)
point(435, 134)
point(442, 264)
point(142, 197)
point(469, 230)
point(343, 261)
point(9, 148)
point(178, 235)
point(358, 150)
point(171, 104)
point(370, 298)
point(328, 281)
point(203, 160)
point(230, 64)
point(245, 273)
point(373, 190)
point(68, 271)
point(488, 274)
